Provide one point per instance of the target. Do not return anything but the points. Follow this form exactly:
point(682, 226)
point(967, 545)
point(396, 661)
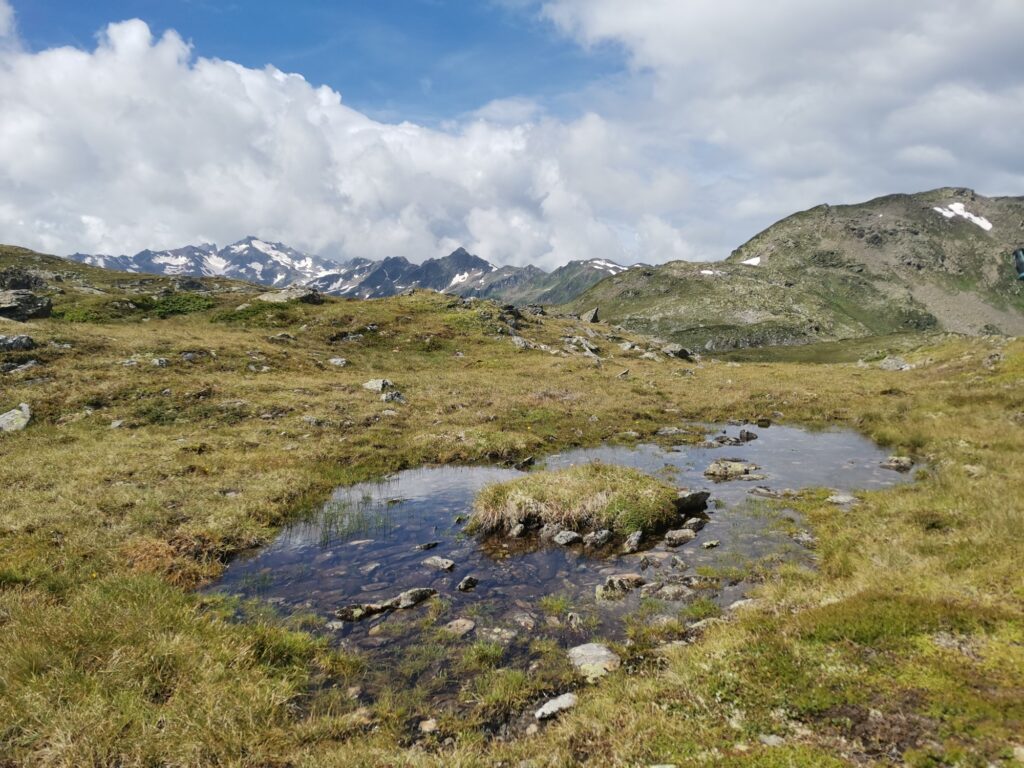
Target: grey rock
point(20, 343)
point(338, 362)
point(729, 469)
point(292, 293)
point(711, 544)
point(624, 582)
point(679, 537)
point(678, 351)
point(678, 562)
point(597, 538)
point(842, 499)
point(632, 542)
point(695, 523)
point(747, 436)
point(898, 463)
point(392, 397)
point(692, 501)
point(439, 563)
point(468, 584)
point(413, 597)
point(378, 385)
point(16, 420)
point(593, 660)
point(590, 316)
point(23, 305)
point(517, 531)
point(674, 592)
point(460, 627)
point(426, 545)
point(160, 362)
point(556, 706)
point(565, 538)
point(670, 432)
point(895, 364)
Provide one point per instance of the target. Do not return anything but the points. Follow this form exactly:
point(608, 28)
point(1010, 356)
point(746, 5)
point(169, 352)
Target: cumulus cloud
point(139, 143)
point(794, 102)
point(733, 113)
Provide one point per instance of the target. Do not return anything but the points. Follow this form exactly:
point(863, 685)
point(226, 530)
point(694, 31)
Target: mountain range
point(937, 260)
point(278, 265)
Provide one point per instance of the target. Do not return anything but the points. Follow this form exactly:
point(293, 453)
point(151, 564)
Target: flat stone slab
point(593, 660)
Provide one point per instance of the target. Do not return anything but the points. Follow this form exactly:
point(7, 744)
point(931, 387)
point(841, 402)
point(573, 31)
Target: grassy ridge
point(905, 644)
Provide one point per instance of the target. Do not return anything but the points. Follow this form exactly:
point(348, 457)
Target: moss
point(583, 497)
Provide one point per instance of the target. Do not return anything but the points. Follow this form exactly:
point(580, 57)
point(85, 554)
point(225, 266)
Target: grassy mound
point(583, 497)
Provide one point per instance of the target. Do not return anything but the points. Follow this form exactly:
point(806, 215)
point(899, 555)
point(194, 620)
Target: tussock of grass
point(584, 497)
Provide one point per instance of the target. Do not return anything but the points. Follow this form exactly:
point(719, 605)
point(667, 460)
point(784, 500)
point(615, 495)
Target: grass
point(584, 497)
point(906, 641)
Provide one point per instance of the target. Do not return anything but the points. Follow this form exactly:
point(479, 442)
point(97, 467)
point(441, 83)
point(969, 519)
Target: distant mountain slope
point(939, 259)
point(275, 264)
point(250, 259)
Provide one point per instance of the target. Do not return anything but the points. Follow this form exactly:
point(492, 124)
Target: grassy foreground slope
point(905, 645)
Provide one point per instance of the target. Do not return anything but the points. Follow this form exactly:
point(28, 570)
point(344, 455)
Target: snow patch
point(459, 278)
point(959, 209)
point(754, 262)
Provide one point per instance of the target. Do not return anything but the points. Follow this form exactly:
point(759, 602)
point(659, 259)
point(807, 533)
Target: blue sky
point(420, 60)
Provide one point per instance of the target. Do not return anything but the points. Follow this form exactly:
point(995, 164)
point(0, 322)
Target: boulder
point(729, 469)
point(593, 660)
point(565, 538)
point(378, 385)
point(590, 316)
point(23, 305)
point(692, 501)
point(556, 706)
point(300, 293)
point(632, 542)
point(20, 343)
point(16, 420)
point(677, 350)
point(679, 537)
point(898, 463)
point(439, 563)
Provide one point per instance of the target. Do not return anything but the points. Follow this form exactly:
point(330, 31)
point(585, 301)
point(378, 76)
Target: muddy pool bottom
point(368, 544)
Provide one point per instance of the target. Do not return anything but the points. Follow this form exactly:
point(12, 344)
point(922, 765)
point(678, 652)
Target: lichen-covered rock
point(16, 420)
point(593, 660)
point(679, 537)
point(729, 469)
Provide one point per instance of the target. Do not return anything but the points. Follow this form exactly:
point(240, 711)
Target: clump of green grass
point(583, 497)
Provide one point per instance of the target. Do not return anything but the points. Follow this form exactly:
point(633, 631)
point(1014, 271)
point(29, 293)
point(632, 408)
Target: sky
point(528, 131)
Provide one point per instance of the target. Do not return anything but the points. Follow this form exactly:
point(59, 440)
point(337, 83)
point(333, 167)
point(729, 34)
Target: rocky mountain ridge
point(278, 265)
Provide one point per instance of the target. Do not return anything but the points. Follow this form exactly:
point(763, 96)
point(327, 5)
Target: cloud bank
point(733, 113)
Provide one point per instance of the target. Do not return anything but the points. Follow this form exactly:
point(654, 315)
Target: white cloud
point(783, 105)
point(140, 144)
point(733, 113)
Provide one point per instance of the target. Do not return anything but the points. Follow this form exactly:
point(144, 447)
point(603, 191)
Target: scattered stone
point(692, 501)
point(549, 531)
point(679, 537)
point(425, 546)
point(428, 726)
point(593, 660)
point(841, 499)
point(763, 422)
point(468, 584)
point(16, 420)
point(23, 305)
point(711, 544)
point(898, 463)
point(281, 338)
point(378, 385)
point(632, 542)
point(498, 635)
point(520, 342)
point(439, 563)
point(895, 364)
point(747, 436)
point(597, 538)
point(695, 523)
point(678, 562)
point(675, 592)
point(590, 316)
point(408, 599)
point(460, 627)
point(292, 293)
point(517, 531)
point(670, 432)
point(565, 538)
point(678, 351)
point(160, 362)
point(392, 397)
point(575, 621)
point(413, 597)
point(20, 343)
point(556, 706)
point(729, 469)
point(740, 605)
point(117, 424)
point(338, 362)
point(336, 626)
point(771, 740)
point(623, 582)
